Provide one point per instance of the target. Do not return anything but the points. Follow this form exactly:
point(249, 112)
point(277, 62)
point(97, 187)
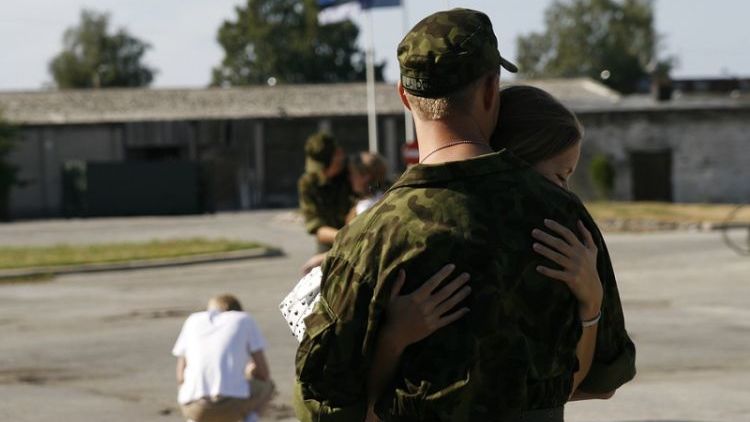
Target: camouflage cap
point(446, 51)
point(319, 151)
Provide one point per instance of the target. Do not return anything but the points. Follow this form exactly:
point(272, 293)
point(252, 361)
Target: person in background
point(368, 179)
point(222, 372)
point(367, 176)
point(325, 195)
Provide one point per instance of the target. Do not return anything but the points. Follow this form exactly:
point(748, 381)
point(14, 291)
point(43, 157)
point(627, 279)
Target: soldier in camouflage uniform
point(514, 355)
point(325, 195)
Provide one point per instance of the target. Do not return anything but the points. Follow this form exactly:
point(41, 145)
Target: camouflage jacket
point(324, 202)
point(514, 351)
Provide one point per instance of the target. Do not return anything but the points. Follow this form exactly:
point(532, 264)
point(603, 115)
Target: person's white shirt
point(367, 203)
point(217, 346)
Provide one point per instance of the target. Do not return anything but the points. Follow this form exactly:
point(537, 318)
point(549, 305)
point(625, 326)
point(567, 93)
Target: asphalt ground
point(94, 347)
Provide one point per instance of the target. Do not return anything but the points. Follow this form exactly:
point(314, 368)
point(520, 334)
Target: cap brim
point(510, 67)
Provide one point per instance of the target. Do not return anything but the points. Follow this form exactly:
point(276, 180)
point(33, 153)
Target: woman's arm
point(585, 351)
point(314, 261)
point(326, 235)
point(409, 319)
point(387, 354)
point(580, 274)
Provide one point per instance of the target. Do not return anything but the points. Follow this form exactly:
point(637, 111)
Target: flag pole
point(408, 122)
point(372, 117)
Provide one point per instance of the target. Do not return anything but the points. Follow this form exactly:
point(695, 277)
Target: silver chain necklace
point(452, 144)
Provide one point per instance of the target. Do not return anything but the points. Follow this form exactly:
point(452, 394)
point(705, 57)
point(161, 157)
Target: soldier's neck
point(434, 134)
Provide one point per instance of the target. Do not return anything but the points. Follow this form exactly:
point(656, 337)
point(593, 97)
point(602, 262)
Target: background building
point(152, 151)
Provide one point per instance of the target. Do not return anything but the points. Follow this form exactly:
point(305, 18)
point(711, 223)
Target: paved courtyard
point(95, 347)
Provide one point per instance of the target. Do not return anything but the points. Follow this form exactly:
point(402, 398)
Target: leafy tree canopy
point(93, 58)
point(608, 40)
point(282, 41)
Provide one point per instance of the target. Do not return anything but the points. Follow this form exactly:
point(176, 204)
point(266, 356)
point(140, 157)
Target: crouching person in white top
point(222, 372)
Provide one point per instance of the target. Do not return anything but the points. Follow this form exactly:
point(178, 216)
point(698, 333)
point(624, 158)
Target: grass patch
point(59, 255)
point(668, 212)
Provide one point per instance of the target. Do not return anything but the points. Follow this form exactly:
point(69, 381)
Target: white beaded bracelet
point(593, 321)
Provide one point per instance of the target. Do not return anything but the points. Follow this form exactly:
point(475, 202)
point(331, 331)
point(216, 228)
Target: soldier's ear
point(490, 90)
point(402, 95)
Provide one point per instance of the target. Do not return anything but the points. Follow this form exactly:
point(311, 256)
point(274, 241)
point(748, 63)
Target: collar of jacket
point(496, 162)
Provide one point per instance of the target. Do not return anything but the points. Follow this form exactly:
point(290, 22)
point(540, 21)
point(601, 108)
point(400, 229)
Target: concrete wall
point(711, 151)
point(256, 163)
point(251, 163)
point(40, 155)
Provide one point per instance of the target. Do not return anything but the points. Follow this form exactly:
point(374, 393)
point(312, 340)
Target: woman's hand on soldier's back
point(414, 316)
point(577, 261)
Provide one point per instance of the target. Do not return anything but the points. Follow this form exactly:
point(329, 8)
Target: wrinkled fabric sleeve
point(180, 346)
point(614, 358)
point(331, 364)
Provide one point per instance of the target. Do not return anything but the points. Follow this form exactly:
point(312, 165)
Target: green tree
point(603, 176)
point(611, 40)
point(92, 57)
point(282, 39)
point(8, 172)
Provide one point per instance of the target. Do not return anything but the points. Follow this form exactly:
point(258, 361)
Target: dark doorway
point(652, 175)
point(157, 153)
point(134, 188)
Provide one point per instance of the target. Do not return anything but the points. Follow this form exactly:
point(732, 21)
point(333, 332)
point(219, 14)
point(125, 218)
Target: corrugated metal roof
point(130, 105)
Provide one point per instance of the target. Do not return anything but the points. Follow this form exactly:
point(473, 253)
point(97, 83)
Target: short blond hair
point(443, 107)
point(225, 302)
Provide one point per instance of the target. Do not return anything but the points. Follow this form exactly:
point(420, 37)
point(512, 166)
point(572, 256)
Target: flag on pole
point(324, 4)
point(373, 4)
point(333, 11)
point(365, 4)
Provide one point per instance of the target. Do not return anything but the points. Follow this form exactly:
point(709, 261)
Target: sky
point(708, 37)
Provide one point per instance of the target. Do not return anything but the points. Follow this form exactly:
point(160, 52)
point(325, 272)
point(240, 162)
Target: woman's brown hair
point(533, 125)
point(373, 165)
